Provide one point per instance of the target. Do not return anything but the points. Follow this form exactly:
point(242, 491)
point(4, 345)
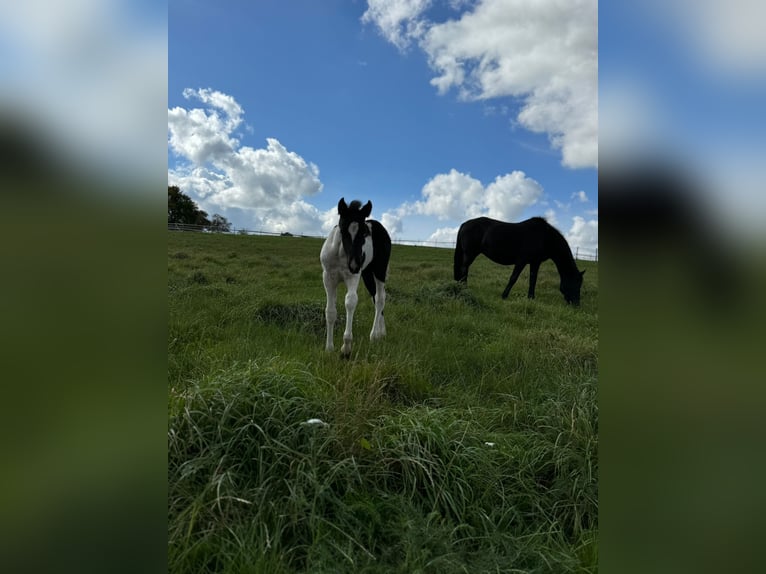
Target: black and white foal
point(355, 247)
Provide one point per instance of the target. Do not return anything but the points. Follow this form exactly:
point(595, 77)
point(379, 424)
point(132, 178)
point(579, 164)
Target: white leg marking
point(330, 311)
point(379, 324)
point(352, 283)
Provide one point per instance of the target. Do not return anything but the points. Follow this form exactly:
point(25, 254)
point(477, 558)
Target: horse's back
point(471, 233)
point(502, 242)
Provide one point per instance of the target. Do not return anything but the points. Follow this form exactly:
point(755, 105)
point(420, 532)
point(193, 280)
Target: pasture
point(465, 441)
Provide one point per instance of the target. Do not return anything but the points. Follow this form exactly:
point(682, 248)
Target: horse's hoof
point(345, 356)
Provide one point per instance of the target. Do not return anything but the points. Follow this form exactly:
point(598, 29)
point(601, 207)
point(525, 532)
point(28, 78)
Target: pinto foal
point(355, 247)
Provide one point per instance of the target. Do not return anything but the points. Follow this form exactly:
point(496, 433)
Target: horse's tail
point(459, 262)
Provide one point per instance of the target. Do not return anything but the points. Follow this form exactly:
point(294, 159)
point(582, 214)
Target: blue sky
point(435, 111)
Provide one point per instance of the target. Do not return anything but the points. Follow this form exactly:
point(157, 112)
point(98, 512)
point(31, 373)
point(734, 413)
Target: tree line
point(182, 209)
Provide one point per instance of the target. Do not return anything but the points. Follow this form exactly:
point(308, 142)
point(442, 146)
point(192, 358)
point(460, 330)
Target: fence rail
point(580, 254)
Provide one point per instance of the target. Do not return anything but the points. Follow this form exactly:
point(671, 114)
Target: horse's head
point(570, 287)
point(354, 231)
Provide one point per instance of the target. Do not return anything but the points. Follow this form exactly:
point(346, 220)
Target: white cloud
point(399, 21)
point(392, 221)
point(269, 183)
point(543, 52)
point(218, 100)
point(581, 196)
point(550, 217)
point(509, 195)
point(452, 195)
point(444, 235)
point(583, 234)
point(457, 196)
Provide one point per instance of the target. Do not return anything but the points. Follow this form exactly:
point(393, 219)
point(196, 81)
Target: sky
point(436, 111)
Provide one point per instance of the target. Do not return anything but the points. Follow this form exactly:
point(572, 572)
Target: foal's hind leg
point(377, 290)
point(518, 268)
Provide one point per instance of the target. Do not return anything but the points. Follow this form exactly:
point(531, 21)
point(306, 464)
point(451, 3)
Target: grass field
point(466, 441)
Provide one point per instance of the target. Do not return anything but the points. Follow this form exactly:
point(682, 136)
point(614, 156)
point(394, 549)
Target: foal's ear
point(342, 207)
point(582, 272)
point(367, 209)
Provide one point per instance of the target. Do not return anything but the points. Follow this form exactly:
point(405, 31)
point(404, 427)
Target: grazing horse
point(355, 247)
point(529, 242)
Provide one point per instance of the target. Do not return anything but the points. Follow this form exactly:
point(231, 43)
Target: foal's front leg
point(330, 311)
point(352, 283)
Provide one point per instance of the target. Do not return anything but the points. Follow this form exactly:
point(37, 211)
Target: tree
point(220, 224)
point(182, 209)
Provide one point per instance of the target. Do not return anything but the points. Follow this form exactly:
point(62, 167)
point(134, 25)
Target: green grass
point(401, 478)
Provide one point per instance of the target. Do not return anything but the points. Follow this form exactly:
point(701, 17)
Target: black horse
point(528, 242)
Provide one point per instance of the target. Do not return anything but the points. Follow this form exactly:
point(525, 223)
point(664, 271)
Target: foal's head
point(570, 287)
point(354, 231)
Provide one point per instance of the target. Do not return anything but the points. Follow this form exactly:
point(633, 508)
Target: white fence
point(581, 254)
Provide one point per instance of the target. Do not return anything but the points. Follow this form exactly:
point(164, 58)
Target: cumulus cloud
point(509, 195)
point(583, 234)
point(542, 52)
point(580, 196)
point(452, 195)
point(399, 21)
point(392, 221)
point(444, 235)
point(550, 217)
point(458, 196)
point(269, 183)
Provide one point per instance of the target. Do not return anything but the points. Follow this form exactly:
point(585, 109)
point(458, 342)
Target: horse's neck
point(564, 261)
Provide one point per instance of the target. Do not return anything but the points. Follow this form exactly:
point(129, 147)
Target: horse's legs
point(330, 311)
point(379, 324)
point(533, 267)
point(352, 283)
point(514, 276)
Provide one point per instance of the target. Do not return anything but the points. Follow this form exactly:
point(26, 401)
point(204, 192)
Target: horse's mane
point(545, 221)
point(355, 205)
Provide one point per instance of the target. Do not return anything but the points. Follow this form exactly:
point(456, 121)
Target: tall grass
point(464, 442)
